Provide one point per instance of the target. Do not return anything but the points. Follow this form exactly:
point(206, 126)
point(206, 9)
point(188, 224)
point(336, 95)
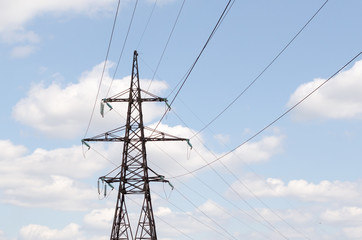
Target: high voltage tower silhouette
point(134, 175)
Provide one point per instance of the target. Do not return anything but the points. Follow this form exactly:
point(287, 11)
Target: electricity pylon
point(134, 175)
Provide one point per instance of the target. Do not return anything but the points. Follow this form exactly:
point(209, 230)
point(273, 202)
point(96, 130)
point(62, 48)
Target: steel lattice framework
point(133, 177)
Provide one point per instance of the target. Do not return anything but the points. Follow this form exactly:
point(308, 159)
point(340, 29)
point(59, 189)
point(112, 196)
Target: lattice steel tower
point(134, 175)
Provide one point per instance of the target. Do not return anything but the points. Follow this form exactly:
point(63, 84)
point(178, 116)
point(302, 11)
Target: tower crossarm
point(150, 97)
point(153, 99)
point(114, 136)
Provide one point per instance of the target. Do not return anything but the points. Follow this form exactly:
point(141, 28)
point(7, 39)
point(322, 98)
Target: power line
point(104, 68)
point(245, 201)
point(271, 123)
point(221, 19)
point(186, 235)
point(124, 44)
point(237, 179)
point(186, 76)
point(148, 22)
point(168, 40)
point(187, 199)
point(262, 202)
point(263, 71)
point(217, 193)
point(196, 219)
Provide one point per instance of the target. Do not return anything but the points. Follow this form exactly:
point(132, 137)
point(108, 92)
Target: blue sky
point(298, 179)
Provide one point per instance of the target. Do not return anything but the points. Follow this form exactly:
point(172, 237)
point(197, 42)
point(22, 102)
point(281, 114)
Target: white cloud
point(163, 211)
point(100, 218)
point(213, 209)
point(22, 51)
point(324, 191)
point(253, 152)
point(297, 216)
point(172, 224)
point(340, 98)
point(222, 139)
point(19, 36)
point(9, 150)
point(58, 192)
point(2, 236)
point(176, 158)
point(15, 14)
point(39, 232)
point(61, 161)
point(45, 178)
point(353, 232)
point(173, 158)
point(352, 215)
point(64, 111)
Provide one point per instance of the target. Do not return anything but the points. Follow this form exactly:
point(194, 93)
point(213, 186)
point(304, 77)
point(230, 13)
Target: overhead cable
point(193, 217)
point(104, 68)
point(264, 70)
point(148, 22)
point(159, 218)
point(168, 40)
point(215, 222)
point(124, 44)
point(186, 76)
point(231, 187)
point(211, 188)
point(271, 123)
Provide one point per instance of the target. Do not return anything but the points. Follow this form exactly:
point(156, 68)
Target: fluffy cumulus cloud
point(39, 232)
point(63, 111)
point(324, 191)
point(176, 224)
point(254, 152)
point(213, 209)
point(170, 224)
point(340, 98)
point(10, 150)
point(99, 218)
point(351, 214)
point(22, 51)
point(178, 158)
point(47, 178)
point(353, 232)
point(2, 236)
point(15, 14)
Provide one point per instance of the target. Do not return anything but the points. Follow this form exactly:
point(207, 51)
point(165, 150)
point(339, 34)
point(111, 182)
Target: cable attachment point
point(85, 143)
point(104, 183)
point(188, 143)
point(102, 106)
point(162, 178)
point(168, 105)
